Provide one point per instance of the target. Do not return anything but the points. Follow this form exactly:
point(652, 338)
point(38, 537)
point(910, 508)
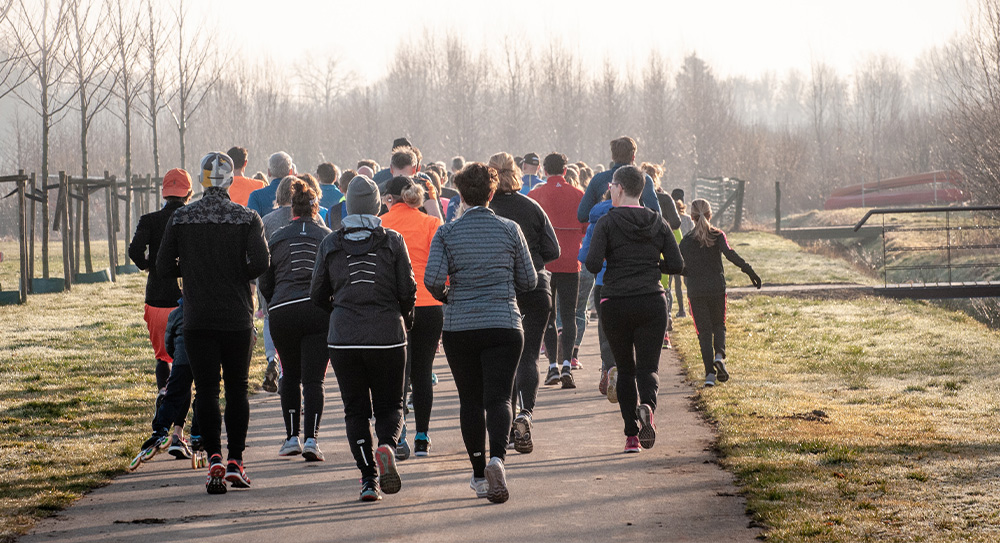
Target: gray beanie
point(363, 197)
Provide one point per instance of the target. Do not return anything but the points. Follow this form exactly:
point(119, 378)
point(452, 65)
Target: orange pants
point(156, 322)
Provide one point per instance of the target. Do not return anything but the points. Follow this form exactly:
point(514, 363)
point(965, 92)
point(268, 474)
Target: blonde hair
point(572, 176)
point(701, 214)
point(653, 170)
point(510, 174)
point(413, 195)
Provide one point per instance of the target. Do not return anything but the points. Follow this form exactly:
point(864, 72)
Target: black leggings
point(371, 383)
point(421, 346)
point(535, 307)
point(709, 315)
point(229, 351)
point(635, 326)
point(173, 411)
point(607, 357)
point(483, 363)
point(565, 291)
point(299, 335)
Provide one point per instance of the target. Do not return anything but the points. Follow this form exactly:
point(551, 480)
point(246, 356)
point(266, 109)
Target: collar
point(216, 192)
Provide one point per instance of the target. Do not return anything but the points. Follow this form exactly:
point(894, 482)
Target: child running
point(702, 249)
point(638, 246)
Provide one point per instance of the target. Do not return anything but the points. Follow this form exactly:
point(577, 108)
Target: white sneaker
point(480, 485)
point(311, 451)
point(290, 447)
point(496, 477)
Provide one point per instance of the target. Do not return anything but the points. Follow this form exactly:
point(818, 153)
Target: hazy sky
point(736, 37)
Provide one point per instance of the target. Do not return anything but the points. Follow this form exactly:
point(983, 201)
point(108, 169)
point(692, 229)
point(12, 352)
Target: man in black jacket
point(161, 293)
point(217, 247)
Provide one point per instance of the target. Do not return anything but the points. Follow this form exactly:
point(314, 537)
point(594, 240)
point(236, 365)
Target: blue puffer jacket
point(596, 213)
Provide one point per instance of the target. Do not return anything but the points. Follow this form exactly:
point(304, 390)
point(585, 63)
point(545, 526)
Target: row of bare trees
point(113, 61)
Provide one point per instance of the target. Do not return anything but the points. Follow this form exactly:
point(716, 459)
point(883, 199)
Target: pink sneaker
point(575, 364)
point(632, 444)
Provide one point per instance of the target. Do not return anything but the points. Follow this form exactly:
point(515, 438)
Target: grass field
point(76, 394)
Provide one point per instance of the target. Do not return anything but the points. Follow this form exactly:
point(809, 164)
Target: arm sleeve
point(266, 283)
point(436, 272)
point(406, 286)
point(649, 196)
point(598, 246)
point(258, 257)
point(550, 243)
point(172, 330)
point(669, 212)
point(525, 277)
point(166, 261)
point(320, 290)
point(672, 262)
point(731, 255)
point(585, 245)
point(137, 248)
point(590, 199)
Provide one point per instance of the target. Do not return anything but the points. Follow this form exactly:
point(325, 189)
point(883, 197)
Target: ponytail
point(304, 199)
point(701, 214)
point(413, 195)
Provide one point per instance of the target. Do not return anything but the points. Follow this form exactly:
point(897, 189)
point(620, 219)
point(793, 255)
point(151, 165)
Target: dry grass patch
point(780, 261)
point(859, 420)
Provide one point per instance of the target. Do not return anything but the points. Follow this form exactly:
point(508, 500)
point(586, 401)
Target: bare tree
point(195, 75)
point(126, 36)
point(12, 70)
point(90, 53)
point(39, 34)
point(878, 107)
point(155, 47)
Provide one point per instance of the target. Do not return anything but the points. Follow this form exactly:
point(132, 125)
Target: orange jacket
point(418, 230)
point(240, 189)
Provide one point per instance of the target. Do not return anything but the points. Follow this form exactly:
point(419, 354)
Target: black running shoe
point(567, 378)
point(270, 383)
point(236, 475)
point(370, 490)
point(179, 448)
point(552, 378)
point(215, 482)
point(421, 444)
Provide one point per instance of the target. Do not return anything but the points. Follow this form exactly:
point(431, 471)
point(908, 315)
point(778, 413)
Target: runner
point(560, 200)
point(162, 293)
point(703, 249)
point(363, 277)
point(477, 265)
point(535, 305)
point(529, 166)
point(242, 186)
point(622, 154)
point(404, 199)
point(607, 386)
point(687, 225)
point(638, 246)
point(217, 247)
point(327, 174)
point(298, 327)
point(669, 212)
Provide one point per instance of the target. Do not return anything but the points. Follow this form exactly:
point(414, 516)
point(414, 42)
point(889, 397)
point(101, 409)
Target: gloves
point(754, 278)
point(432, 192)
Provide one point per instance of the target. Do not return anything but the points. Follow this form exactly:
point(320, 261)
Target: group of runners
point(370, 270)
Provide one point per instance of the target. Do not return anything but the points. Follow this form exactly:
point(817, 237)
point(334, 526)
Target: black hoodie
point(633, 240)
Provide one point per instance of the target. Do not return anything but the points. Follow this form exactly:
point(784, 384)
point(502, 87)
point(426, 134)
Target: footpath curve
point(577, 485)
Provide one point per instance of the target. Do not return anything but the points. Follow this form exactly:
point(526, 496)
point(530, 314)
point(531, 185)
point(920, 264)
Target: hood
point(599, 210)
point(362, 234)
point(636, 223)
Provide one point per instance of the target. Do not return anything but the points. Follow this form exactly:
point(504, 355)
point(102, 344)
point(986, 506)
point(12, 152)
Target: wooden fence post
point(777, 207)
point(22, 218)
point(112, 246)
point(67, 238)
point(45, 228)
point(30, 194)
point(738, 221)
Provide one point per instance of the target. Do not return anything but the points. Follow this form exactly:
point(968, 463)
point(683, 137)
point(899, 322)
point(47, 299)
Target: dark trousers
point(709, 315)
point(535, 307)
point(607, 357)
point(483, 363)
point(228, 352)
point(565, 291)
point(299, 335)
point(421, 346)
point(174, 408)
point(635, 327)
point(371, 383)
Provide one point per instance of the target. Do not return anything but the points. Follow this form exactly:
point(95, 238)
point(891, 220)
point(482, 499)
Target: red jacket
point(560, 200)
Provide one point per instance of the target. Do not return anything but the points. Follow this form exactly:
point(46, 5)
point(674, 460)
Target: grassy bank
point(76, 395)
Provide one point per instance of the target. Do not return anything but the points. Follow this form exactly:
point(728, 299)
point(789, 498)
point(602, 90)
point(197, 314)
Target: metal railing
point(940, 252)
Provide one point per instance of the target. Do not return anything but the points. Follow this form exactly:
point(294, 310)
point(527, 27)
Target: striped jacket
point(293, 254)
point(476, 266)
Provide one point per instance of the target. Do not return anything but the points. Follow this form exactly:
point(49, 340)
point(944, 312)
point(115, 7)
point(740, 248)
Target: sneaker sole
point(216, 483)
point(370, 496)
point(720, 372)
point(237, 481)
point(179, 453)
point(613, 385)
point(402, 453)
point(567, 380)
point(522, 437)
point(647, 432)
point(632, 451)
point(388, 477)
point(498, 492)
point(312, 456)
point(553, 380)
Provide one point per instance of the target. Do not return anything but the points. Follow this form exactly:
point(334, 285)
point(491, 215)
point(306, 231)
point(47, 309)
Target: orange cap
point(177, 182)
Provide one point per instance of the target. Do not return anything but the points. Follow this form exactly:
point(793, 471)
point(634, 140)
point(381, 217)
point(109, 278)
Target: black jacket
point(293, 254)
point(217, 247)
point(638, 246)
point(367, 286)
point(703, 272)
point(160, 291)
point(536, 227)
